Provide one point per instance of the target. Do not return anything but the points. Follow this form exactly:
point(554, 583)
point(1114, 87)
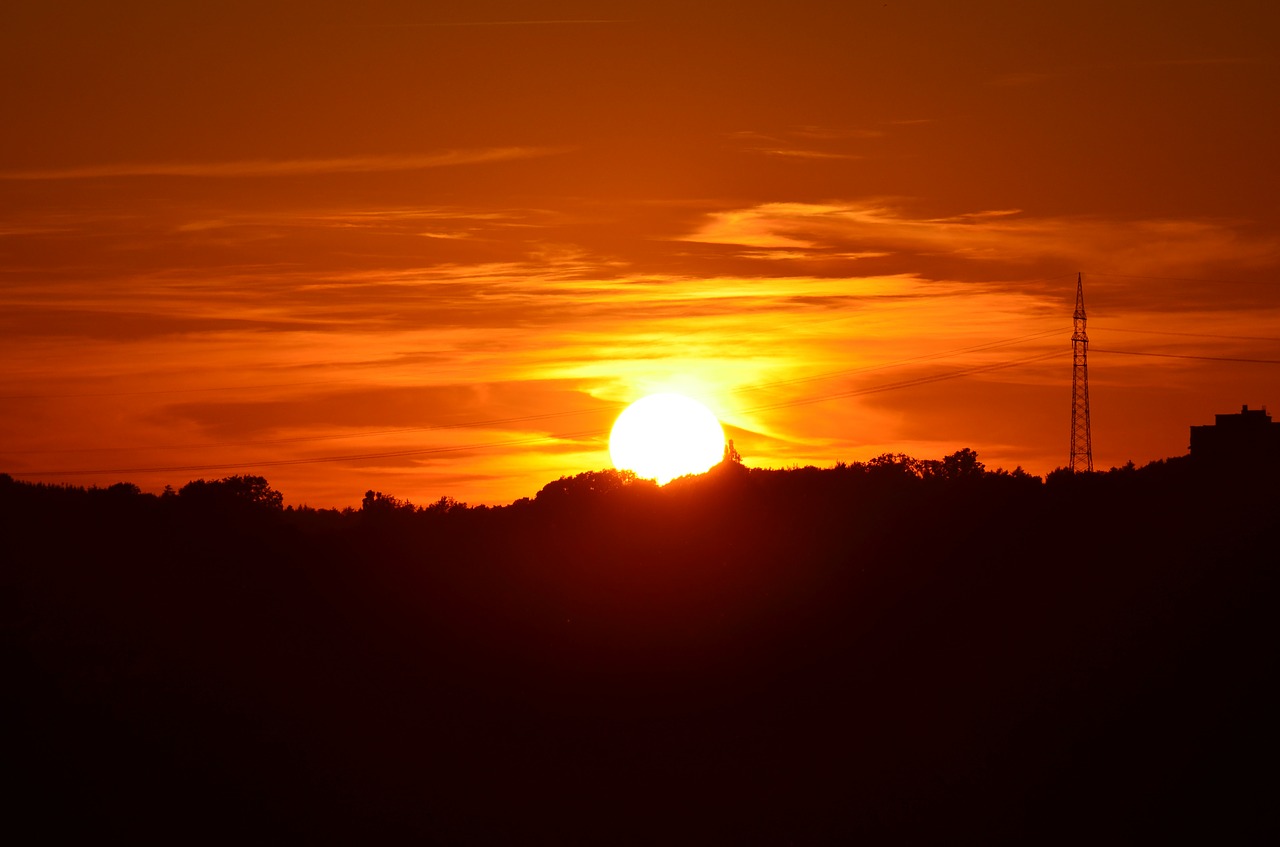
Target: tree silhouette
point(731, 454)
point(375, 502)
point(251, 490)
point(962, 464)
point(591, 485)
point(444, 506)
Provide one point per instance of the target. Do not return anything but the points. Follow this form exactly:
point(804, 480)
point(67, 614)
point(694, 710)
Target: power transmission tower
point(1081, 444)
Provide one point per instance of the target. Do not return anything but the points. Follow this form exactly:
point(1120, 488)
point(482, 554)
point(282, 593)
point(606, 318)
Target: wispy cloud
point(486, 347)
point(1032, 78)
point(1226, 60)
point(1026, 79)
point(7, 230)
point(288, 167)
point(822, 133)
point(805, 142)
point(995, 237)
point(526, 22)
point(806, 154)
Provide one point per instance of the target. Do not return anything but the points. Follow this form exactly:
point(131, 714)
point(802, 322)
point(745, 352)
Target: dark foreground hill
point(899, 652)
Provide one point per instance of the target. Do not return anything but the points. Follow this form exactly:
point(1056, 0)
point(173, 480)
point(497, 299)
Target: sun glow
point(664, 436)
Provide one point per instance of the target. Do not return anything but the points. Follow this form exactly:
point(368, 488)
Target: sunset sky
point(434, 248)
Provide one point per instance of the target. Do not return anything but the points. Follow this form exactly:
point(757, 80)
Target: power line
point(1180, 279)
point(895, 386)
point(1192, 334)
point(302, 439)
point(494, 422)
point(688, 312)
point(1188, 356)
point(314, 460)
point(899, 362)
point(803, 401)
point(173, 390)
point(907, 383)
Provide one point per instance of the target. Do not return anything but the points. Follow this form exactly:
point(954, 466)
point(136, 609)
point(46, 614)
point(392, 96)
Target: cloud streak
point(453, 24)
point(996, 237)
point(288, 167)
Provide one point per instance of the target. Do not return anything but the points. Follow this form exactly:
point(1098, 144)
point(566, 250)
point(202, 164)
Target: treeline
point(890, 470)
point(896, 650)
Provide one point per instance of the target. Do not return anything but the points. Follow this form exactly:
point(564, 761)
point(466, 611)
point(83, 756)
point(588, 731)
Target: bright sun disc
point(664, 436)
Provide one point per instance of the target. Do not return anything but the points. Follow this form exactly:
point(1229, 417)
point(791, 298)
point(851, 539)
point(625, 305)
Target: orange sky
point(433, 248)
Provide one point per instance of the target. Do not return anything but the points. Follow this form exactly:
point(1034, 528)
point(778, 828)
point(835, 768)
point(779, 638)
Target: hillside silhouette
point(897, 651)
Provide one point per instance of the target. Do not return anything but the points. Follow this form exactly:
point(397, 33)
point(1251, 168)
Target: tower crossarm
point(1078, 317)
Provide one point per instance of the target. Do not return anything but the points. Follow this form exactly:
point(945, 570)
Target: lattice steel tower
point(1081, 445)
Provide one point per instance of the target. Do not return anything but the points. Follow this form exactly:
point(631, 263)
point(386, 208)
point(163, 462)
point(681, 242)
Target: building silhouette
point(1240, 440)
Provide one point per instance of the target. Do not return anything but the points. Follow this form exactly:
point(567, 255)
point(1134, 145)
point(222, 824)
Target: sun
point(664, 436)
